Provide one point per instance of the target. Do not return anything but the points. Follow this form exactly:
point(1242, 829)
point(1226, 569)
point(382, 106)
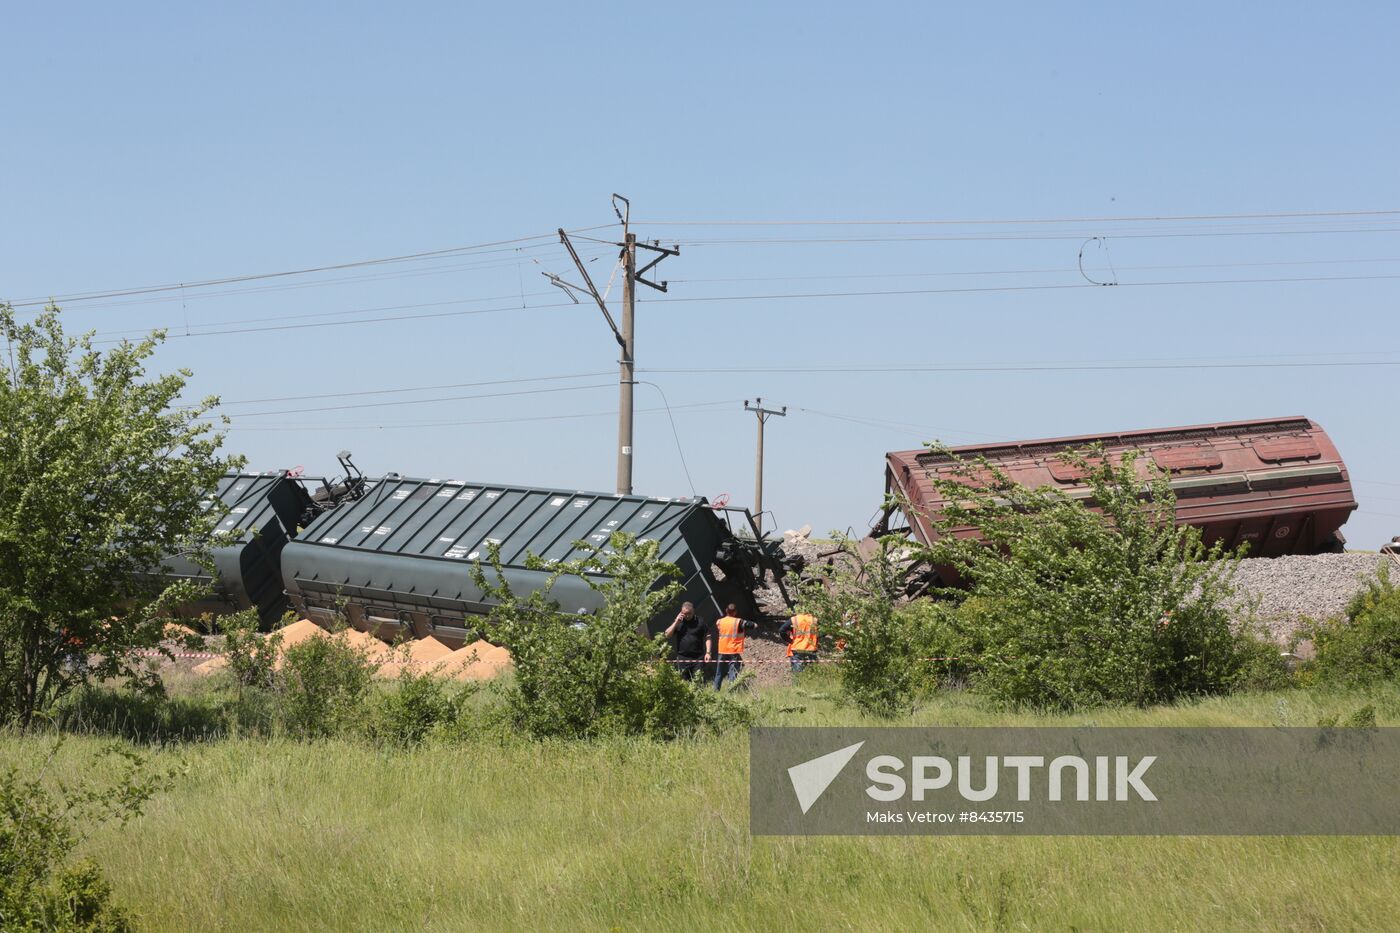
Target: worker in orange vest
point(801, 634)
point(730, 657)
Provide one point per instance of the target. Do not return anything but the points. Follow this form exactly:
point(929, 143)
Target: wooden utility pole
point(763, 415)
point(626, 336)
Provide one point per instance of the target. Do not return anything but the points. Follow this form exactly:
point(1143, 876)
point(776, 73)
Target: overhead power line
point(1066, 269)
point(1028, 288)
point(495, 245)
point(506, 245)
point(501, 309)
point(884, 424)
point(172, 332)
point(193, 332)
point(610, 413)
point(453, 385)
point(1165, 218)
point(833, 368)
point(1019, 368)
point(109, 305)
point(418, 401)
point(999, 237)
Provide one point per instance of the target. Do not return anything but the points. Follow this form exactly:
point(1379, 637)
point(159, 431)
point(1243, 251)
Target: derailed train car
point(394, 555)
point(1278, 485)
point(263, 512)
point(398, 561)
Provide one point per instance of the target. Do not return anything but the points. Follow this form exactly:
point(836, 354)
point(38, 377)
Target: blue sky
point(152, 144)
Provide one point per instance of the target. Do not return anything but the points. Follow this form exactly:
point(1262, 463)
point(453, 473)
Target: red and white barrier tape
point(209, 655)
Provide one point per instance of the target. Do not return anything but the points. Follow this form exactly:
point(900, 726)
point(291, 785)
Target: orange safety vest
point(731, 635)
point(804, 633)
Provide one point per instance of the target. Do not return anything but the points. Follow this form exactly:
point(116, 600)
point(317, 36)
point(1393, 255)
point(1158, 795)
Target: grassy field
point(624, 835)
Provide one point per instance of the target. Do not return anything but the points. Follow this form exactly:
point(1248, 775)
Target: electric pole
point(626, 377)
point(626, 336)
point(763, 415)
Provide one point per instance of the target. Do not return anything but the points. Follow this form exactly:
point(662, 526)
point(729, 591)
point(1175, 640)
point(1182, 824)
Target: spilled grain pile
point(480, 660)
point(417, 656)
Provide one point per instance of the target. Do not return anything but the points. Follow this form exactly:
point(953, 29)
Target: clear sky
point(164, 143)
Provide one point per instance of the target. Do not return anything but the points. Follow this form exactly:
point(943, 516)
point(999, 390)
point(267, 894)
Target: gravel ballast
point(1280, 591)
point(1283, 591)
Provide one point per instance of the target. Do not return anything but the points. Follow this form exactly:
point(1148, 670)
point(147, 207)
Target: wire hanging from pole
point(674, 433)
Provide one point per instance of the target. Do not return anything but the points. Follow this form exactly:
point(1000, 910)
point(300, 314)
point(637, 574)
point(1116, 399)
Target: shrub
point(1076, 607)
point(251, 656)
point(581, 676)
point(1261, 667)
point(1363, 647)
point(416, 706)
point(324, 686)
point(40, 889)
point(666, 707)
point(883, 667)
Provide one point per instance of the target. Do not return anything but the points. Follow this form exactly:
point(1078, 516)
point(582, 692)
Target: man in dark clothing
point(693, 641)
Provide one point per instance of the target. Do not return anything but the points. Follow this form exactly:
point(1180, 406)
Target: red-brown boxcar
point(1277, 484)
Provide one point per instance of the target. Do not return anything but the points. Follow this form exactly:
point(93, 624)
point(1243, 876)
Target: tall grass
point(633, 835)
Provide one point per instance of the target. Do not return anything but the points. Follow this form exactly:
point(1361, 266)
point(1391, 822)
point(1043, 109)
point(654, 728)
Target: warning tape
point(209, 655)
point(811, 660)
point(153, 653)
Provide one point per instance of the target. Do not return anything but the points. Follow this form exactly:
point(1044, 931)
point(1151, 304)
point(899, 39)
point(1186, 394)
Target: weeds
point(41, 886)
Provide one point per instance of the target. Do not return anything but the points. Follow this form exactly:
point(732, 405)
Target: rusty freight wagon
point(398, 561)
point(1278, 485)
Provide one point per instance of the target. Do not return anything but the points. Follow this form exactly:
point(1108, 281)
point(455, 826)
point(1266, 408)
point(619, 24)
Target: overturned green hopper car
point(398, 561)
point(264, 511)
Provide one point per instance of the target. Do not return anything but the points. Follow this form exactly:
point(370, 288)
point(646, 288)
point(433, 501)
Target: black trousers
point(690, 666)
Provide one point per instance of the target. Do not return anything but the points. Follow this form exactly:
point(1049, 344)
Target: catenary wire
point(393, 391)
point(1015, 369)
point(477, 248)
point(374, 320)
point(692, 406)
point(145, 301)
point(789, 296)
point(513, 243)
point(1165, 218)
point(1000, 237)
point(419, 401)
point(1040, 271)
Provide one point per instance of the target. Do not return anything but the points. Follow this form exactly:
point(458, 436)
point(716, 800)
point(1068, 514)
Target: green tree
point(102, 474)
point(582, 676)
point(1078, 606)
point(857, 601)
